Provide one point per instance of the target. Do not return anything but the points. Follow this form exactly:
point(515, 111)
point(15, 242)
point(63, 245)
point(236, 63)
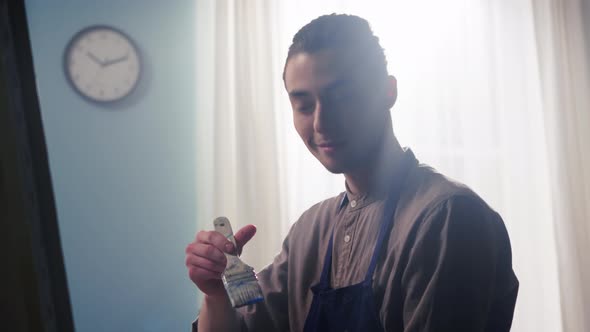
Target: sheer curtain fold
point(564, 68)
point(237, 148)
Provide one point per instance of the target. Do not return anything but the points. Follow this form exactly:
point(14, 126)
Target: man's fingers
point(198, 274)
point(206, 251)
point(216, 239)
point(244, 235)
point(204, 263)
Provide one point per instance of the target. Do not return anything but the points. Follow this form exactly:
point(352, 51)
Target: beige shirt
point(446, 266)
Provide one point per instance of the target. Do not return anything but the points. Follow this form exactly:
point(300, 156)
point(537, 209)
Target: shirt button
point(347, 238)
point(353, 203)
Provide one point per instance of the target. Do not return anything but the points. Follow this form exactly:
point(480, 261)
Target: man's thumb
point(244, 235)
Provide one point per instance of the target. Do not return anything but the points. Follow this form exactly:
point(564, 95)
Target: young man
point(402, 249)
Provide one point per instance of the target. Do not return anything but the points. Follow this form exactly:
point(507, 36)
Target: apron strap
point(388, 214)
point(325, 277)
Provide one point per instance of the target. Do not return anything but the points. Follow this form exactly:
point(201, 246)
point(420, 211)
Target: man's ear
point(390, 91)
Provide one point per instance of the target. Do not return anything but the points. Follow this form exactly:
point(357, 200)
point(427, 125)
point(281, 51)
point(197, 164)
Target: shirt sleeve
point(272, 313)
point(451, 273)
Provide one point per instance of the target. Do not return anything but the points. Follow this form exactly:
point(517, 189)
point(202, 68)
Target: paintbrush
point(239, 279)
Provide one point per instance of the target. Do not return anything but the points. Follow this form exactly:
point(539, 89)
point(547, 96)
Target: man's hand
point(205, 259)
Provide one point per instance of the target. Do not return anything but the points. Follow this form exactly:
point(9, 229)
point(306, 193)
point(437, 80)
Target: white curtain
point(237, 145)
point(492, 93)
point(564, 64)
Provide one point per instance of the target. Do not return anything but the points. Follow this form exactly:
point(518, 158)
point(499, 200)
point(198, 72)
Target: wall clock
point(102, 64)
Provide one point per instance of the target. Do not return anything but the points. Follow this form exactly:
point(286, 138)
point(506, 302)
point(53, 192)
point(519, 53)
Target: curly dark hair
point(349, 34)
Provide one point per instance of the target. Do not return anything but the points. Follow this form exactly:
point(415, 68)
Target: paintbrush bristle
point(242, 289)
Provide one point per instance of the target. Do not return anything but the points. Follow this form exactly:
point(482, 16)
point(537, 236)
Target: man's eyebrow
point(331, 87)
point(338, 84)
point(298, 93)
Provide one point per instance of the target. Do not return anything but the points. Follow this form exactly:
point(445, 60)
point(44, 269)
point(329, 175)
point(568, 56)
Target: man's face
point(339, 112)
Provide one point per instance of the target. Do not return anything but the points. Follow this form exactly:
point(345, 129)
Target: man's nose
point(323, 117)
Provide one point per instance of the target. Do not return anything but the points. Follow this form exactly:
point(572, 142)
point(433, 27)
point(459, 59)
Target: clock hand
point(112, 62)
point(95, 59)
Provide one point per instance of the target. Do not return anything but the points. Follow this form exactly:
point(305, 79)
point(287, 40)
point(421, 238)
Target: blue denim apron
point(352, 308)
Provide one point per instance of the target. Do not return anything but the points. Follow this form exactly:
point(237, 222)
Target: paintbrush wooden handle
point(223, 226)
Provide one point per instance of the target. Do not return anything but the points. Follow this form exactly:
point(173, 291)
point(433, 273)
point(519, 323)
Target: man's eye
point(305, 108)
point(339, 97)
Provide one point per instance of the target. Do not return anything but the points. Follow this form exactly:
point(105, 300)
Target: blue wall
point(123, 175)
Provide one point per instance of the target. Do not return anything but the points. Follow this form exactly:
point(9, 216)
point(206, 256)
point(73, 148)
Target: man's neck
point(385, 160)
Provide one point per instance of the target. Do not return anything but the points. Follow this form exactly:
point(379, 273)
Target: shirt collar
point(361, 200)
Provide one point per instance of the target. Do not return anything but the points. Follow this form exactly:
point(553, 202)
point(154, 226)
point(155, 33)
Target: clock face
point(102, 64)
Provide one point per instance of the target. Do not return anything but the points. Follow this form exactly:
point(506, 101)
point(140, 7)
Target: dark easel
point(33, 289)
